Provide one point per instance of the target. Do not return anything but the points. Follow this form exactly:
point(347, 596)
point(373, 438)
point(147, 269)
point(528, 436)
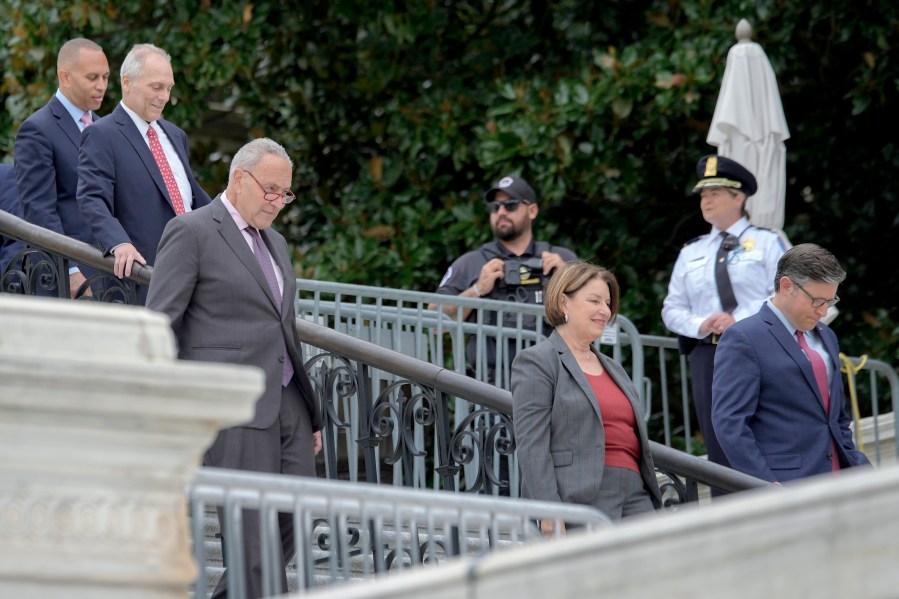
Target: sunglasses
point(509, 205)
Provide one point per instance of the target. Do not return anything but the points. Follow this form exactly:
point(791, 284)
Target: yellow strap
point(851, 371)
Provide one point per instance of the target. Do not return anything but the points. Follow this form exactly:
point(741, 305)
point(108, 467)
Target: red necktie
point(166, 171)
point(820, 371)
point(86, 119)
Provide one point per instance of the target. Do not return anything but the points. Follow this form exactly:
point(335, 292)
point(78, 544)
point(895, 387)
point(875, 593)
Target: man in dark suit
point(777, 394)
point(133, 171)
point(225, 280)
point(9, 202)
point(46, 148)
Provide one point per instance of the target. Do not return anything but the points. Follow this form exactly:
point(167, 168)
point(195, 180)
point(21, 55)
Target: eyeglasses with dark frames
point(270, 196)
point(509, 205)
point(818, 302)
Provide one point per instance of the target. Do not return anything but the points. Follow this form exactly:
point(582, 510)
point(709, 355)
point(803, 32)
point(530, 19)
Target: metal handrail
point(666, 458)
point(78, 251)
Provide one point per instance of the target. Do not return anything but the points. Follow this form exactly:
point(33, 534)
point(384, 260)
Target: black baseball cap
point(516, 187)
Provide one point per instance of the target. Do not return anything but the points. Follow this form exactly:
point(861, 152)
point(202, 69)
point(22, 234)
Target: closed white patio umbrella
point(749, 126)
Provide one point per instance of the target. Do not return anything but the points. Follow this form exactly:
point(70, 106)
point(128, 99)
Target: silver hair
point(809, 262)
point(133, 65)
point(254, 151)
point(68, 53)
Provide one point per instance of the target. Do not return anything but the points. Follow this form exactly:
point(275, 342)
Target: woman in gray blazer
point(578, 425)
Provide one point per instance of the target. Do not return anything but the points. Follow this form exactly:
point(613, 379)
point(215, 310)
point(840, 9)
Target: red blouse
point(619, 423)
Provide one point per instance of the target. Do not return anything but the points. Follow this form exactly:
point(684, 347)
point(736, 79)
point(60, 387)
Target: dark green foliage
point(400, 114)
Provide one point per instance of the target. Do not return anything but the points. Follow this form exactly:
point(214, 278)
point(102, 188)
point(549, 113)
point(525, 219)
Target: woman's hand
point(547, 527)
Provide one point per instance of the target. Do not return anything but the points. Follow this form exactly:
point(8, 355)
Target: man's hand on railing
point(76, 280)
point(125, 257)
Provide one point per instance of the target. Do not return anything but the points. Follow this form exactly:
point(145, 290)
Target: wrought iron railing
point(42, 268)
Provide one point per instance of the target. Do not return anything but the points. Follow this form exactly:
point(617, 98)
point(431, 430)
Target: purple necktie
point(264, 258)
point(820, 371)
point(86, 119)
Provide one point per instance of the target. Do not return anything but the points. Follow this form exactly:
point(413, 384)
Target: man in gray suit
point(224, 278)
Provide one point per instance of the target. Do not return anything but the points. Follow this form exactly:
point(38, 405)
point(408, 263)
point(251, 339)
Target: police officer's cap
point(516, 187)
point(718, 171)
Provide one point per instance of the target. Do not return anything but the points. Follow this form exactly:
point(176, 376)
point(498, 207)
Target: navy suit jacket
point(9, 202)
point(121, 192)
point(767, 411)
point(46, 157)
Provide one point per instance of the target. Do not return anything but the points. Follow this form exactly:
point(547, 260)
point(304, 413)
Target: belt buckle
point(715, 338)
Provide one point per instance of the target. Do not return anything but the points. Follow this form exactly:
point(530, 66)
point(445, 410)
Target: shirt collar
point(75, 112)
point(238, 219)
point(782, 318)
point(140, 123)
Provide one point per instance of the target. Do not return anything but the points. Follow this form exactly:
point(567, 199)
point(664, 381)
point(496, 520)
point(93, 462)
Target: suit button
point(829, 455)
point(281, 359)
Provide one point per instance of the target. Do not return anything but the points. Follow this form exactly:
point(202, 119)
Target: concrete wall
point(828, 537)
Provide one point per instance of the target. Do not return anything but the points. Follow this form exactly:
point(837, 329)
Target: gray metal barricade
point(400, 320)
point(354, 531)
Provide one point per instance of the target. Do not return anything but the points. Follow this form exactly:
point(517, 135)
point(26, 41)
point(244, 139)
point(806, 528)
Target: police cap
point(718, 171)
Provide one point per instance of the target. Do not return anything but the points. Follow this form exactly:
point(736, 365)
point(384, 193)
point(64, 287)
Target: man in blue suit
point(133, 171)
point(777, 394)
point(9, 202)
point(46, 148)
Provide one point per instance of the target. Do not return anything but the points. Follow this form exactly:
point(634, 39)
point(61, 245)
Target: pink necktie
point(264, 258)
point(820, 371)
point(167, 176)
point(86, 119)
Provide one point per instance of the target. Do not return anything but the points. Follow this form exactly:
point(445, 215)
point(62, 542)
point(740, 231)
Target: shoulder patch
point(446, 277)
point(694, 240)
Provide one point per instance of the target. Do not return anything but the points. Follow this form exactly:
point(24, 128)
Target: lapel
point(137, 141)
point(238, 244)
point(569, 362)
point(65, 122)
point(789, 343)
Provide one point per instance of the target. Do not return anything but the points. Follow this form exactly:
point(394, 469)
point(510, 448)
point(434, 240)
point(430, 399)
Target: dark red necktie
point(820, 371)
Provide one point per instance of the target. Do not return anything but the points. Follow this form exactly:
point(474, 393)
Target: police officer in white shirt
point(719, 278)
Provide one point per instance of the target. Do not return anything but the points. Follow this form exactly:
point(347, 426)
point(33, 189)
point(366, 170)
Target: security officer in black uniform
point(512, 268)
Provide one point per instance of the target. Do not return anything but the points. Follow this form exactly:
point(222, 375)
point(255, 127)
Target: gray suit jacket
point(208, 282)
point(558, 425)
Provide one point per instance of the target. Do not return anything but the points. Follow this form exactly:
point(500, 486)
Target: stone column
point(101, 430)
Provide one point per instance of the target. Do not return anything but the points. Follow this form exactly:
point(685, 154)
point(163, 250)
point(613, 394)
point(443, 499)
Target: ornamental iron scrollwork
point(38, 272)
point(674, 490)
point(484, 436)
point(402, 406)
point(334, 380)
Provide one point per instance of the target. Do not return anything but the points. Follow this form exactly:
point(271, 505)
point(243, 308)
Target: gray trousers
point(622, 493)
point(283, 448)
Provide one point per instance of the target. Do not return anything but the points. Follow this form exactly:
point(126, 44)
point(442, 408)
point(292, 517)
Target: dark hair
point(567, 280)
point(809, 262)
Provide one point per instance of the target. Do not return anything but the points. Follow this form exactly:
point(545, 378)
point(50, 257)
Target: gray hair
point(133, 65)
point(68, 53)
point(809, 262)
point(254, 151)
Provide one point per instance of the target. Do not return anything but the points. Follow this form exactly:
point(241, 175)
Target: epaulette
point(763, 228)
point(694, 240)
